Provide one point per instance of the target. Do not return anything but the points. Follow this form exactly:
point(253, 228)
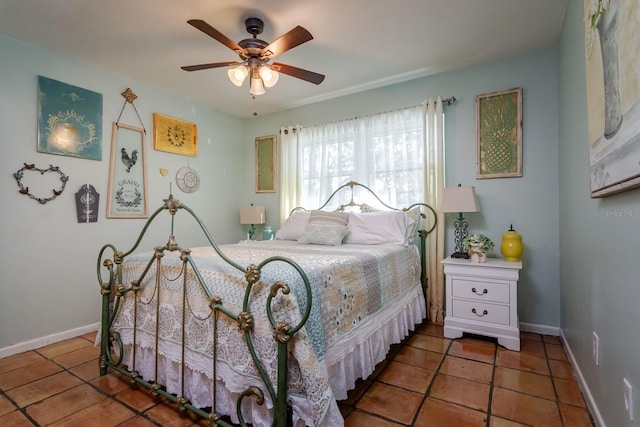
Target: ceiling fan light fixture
point(238, 74)
point(269, 76)
point(257, 87)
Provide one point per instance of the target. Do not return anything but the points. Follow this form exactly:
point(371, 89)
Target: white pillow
point(382, 227)
point(294, 226)
point(323, 233)
point(340, 218)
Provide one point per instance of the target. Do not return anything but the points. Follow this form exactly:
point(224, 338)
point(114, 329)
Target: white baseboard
point(49, 339)
point(591, 403)
point(540, 329)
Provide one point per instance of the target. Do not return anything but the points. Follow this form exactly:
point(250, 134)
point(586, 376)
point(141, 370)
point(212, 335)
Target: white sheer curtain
point(433, 189)
point(289, 162)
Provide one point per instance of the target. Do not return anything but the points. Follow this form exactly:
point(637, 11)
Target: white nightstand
point(482, 298)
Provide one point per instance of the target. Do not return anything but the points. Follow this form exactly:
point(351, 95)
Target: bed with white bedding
point(307, 314)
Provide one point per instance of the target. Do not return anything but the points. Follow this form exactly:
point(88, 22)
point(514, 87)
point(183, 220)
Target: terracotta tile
point(534, 348)
point(522, 361)
point(572, 416)
point(43, 388)
point(167, 414)
point(359, 419)
point(18, 361)
point(555, 351)
point(87, 371)
point(15, 419)
point(6, 405)
point(439, 413)
point(354, 394)
point(561, 369)
point(29, 373)
point(473, 349)
point(91, 337)
point(391, 402)
point(421, 358)
point(138, 398)
point(551, 339)
point(62, 347)
point(407, 376)
point(525, 382)
point(105, 413)
point(379, 368)
point(428, 342)
point(138, 421)
point(59, 406)
point(112, 383)
point(463, 392)
point(530, 336)
point(429, 328)
point(78, 357)
point(501, 422)
point(469, 369)
point(569, 392)
point(524, 408)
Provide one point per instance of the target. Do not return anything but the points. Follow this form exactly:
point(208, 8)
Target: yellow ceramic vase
point(511, 246)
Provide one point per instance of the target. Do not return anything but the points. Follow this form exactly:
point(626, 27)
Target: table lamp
point(252, 215)
point(459, 199)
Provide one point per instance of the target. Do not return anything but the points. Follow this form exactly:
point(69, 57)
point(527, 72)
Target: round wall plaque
point(187, 179)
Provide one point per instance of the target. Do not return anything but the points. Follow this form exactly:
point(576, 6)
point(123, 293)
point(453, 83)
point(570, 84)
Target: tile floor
point(426, 381)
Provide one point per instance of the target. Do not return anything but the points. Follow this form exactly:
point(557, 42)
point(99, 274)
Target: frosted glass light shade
point(257, 88)
point(269, 76)
point(238, 74)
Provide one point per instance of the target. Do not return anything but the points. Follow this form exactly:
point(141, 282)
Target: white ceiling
point(358, 44)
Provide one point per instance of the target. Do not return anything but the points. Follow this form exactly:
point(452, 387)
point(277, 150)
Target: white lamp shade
point(269, 76)
point(459, 199)
point(252, 215)
point(257, 88)
point(238, 74)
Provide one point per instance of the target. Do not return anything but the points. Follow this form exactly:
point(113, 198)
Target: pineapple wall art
point(499, 134)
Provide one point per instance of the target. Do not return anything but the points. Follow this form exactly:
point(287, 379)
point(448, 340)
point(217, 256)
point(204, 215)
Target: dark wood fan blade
point(207, 66)
point(212, 32)
point(293, 38)
point(299, 73)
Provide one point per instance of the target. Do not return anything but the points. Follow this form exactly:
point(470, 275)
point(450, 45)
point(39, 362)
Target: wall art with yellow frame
point(174, 135)
point(266, 164)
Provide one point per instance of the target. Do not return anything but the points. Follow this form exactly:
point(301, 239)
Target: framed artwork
point(266, 164)
point(613, 95)
point(127, 196)
point(499, 134)
point(174, 135)
point(69, 120)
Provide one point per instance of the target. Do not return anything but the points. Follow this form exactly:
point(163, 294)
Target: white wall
point(529, 203)
point(599, 270)
point(48, 280)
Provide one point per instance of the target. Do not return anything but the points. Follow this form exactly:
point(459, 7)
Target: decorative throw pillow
point(323, 233)
point(294, 226)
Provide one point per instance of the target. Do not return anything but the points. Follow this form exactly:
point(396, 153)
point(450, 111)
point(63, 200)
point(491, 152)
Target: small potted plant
point(478, 245)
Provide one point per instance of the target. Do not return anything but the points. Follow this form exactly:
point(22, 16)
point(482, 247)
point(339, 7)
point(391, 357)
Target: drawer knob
point(484, 291)
point(484, 312)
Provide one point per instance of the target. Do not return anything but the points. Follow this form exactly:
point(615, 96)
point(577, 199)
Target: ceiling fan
point(256, 54)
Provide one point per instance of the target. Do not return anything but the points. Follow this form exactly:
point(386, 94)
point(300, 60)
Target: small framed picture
point(499, 134)
point(127, 173)
point(266, 164)
point(174, 135)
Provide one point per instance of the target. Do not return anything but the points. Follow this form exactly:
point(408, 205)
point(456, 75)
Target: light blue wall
point(600, 290)
point(530, 202)
point(48, 278)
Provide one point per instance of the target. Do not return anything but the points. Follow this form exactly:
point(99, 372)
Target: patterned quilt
point(350, 284)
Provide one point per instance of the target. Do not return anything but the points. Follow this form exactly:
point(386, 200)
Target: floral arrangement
point(483, 242)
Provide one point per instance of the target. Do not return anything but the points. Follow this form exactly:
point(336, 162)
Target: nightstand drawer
point(480, 291)
point(480, 312)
